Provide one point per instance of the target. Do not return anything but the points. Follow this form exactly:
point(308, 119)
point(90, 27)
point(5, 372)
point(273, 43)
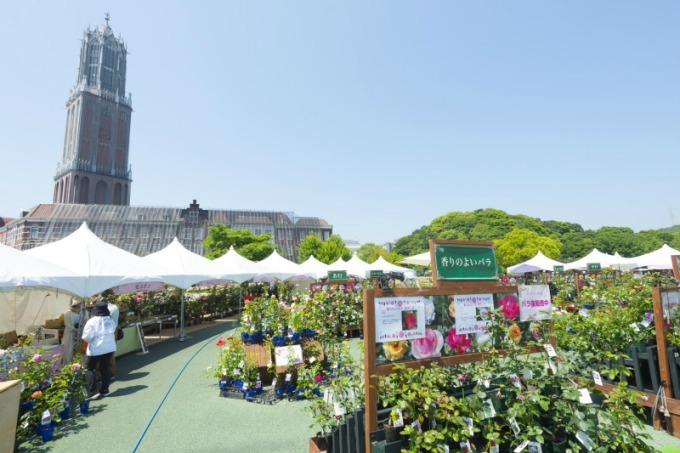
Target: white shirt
point(100, 334)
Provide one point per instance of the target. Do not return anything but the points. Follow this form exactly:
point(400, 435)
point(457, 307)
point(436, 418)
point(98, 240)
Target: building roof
point(312, 222)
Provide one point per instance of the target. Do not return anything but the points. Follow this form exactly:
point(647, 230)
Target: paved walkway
point(162, 401)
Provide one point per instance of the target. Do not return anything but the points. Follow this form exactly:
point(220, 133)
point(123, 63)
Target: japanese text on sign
point(534, 303)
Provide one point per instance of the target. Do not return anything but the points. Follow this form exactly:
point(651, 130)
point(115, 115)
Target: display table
point(129, 343)
point(10, 391)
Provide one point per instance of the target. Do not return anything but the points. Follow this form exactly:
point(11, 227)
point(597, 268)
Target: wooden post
point(370, 390)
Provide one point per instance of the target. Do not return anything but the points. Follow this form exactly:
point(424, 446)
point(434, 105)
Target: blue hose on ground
point(155, 412)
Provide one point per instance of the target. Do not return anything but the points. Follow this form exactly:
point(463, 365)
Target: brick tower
point(94, 168)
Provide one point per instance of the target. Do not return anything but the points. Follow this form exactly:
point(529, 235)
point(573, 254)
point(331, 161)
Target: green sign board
point(465, 262)
point(558, 268)
point(376, 274)
point(594, 266)
point(337, 275)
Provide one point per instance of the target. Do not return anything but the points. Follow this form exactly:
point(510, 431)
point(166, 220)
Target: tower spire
point(106, 18)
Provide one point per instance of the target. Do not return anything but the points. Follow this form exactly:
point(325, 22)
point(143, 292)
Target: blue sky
point(376, 116)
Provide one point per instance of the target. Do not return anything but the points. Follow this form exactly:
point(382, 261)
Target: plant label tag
point(597, 378)
point(528, 374)
point(258, 384)
point(336, 365)
point(465, 446)
point(469, 423)
point(487, 383)
point(339, 409)
point(274, 382)
point(399, 422)
point(515, 381)
point(535, 447)
point(289, 376)
point(494, 448)
point(416, 426)
point(550, 350)
point(245, 386)
point(521, 446)
point(443, 448)
point(649, 318)
point(241, 364)
point(237, 372)
point(224, 371)
point(312, 359)
point(584, 396)
point(585, 440)
point(326, 395)
point(489, 410)
point(635, 327)
point(514, 426)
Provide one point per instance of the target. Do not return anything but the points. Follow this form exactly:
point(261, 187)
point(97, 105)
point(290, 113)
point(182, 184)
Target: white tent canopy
point(595, 256)
point(385, 266)
point(658, 259)
point(357, 267)
point(315, 267)
point(104, 265)
point(338, 265)
point(422, 259)
point(539, 262)
point(185, 267)
point(20, 269)
point(232, 266)
point(279, 267)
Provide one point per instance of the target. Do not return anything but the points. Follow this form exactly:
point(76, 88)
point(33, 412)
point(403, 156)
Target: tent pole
point(182, 335)
point(240, 300)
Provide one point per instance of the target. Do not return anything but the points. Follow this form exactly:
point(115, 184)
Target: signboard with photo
point(399, 318)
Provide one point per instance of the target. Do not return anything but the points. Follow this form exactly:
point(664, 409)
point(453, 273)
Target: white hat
point(75, 302)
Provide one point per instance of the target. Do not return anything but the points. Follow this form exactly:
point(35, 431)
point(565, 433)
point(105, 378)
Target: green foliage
point(370, 252)
point(248, 244)
point(520, 245)
point(416, 242)
point(309, 246)
point(333, 248)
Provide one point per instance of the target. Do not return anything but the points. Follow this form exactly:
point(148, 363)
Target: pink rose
point(37, 358)
point(510, 307)
point(458, 343)
point(410, 321)
point(430, 346)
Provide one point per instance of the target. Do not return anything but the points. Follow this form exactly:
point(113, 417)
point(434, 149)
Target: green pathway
point(193, 418)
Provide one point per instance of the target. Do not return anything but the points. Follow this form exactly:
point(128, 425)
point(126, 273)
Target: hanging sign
point(534, 303)
point(465, 262)
point(399, 318)
point(558, 268)
point(594, 266)
point(376, 274)
point(337, 275)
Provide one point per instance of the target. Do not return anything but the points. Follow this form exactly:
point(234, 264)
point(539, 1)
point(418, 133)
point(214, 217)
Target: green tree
point(370, 252)
point(416, 242)
point(311, 245)
point(220, 238)
point(576, 246)
point(520, 245)
point(333, 248)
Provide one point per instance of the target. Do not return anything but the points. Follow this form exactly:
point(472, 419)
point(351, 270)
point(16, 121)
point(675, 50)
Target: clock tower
point(95, 168)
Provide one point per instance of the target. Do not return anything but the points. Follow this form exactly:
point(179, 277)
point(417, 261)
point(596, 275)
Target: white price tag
point(312, 359)
point(399, 422)
point(469, 423)
point(465, 446)
point(327, 395)
point(597, 378)
point(521, 446)
point(528, 374)
point(550, 350)
point(416, 426)
point(535, 447)
point(488, 409)
point(515, 381)
point(585, 440)
point(237, 372)
point(584, 396)
point(274, 382)
point(514, 426)
point(289, 376)
point(241, 364)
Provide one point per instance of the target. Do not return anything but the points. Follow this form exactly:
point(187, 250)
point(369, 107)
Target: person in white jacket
point(100, 335)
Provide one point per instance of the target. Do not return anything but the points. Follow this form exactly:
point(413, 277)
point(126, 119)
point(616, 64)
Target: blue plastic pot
point(250, 395)
point(289, 388)
point(279, 341)
point(245, 338)
point(278, 391)
point(28, 405)
point(65, 413)
point(238, 384)
point(84, 407)
point(295, 338)
point(47, 433)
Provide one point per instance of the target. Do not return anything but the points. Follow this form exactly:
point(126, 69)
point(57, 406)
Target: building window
point(144, 232)
point(111, 231)
point(99, 231)
point(193, 216)
point(187, 233)
point(158, 232)
point(199, 233)
point(35, 231)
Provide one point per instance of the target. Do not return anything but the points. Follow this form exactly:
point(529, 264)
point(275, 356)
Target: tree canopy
point(326, 251)
point(519, 245)
point(248, 244)
point(370, 252)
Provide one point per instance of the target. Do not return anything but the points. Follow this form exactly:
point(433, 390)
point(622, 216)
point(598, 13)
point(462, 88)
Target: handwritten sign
point(399, 318)
point(337, 275)
point(534, 303)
